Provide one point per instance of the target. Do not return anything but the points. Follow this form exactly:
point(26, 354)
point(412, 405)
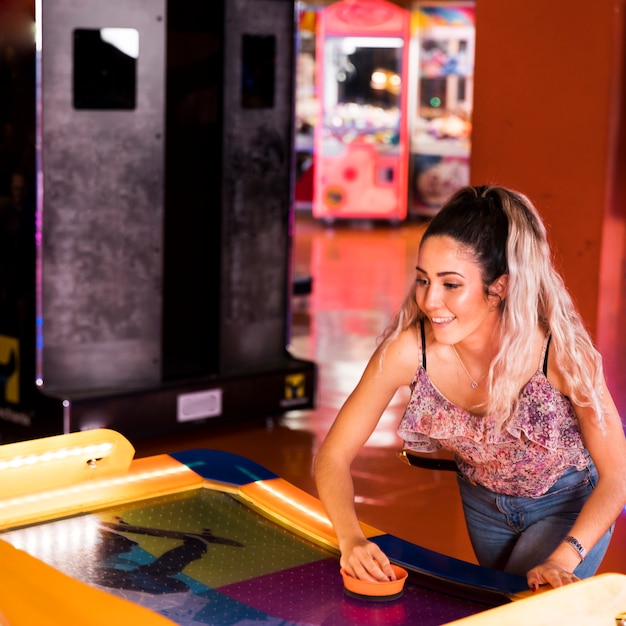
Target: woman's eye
point(451, 285)
point(422, 282)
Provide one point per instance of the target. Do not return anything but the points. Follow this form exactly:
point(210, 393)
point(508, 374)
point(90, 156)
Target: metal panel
point(101, 213)
point(256, 194)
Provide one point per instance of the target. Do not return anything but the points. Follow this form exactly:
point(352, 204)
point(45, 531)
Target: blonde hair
point(506, 235)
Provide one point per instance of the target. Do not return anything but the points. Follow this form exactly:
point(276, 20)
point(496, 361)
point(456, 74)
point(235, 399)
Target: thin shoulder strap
point(545, 356)
point(423, 335)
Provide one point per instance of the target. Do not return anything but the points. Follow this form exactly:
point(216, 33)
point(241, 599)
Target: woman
point(502, 373)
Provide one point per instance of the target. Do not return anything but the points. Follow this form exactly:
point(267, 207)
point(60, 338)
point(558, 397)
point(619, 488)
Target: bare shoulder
point(402, 355)
point(407, 345)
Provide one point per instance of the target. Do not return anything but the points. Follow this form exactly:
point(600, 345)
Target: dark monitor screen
point(105, 68)
point(258, 61)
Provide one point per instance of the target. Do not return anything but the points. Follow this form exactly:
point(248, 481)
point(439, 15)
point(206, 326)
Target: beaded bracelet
point(580, 549)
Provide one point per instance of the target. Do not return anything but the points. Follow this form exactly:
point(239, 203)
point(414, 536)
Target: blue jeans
point(514, 534)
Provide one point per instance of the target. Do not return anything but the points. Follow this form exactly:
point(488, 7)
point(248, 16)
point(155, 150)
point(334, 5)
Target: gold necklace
point(474, 383)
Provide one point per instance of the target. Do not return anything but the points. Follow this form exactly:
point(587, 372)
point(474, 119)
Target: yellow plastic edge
point(296, 510)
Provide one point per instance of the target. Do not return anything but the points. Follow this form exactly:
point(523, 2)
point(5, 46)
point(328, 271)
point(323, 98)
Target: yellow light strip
point(91, 452)
point(86, 487)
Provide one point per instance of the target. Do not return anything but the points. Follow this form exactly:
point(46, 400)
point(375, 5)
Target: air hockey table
point(90, 535)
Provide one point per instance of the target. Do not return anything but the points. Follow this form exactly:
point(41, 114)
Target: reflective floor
point(360, 272)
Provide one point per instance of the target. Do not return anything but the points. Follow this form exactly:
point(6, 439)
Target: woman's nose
point(431, 297)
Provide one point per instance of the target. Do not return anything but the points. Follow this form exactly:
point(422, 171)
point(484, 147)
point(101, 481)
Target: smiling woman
point(503, 374)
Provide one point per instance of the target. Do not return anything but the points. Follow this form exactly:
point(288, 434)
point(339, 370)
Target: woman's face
point(450, 291)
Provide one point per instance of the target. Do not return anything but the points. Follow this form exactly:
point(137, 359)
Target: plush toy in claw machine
point(361, 140)
point(435, 178)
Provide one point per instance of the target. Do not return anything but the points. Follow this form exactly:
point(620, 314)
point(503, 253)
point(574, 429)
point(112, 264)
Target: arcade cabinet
point(361, 142)
point(440, 103)
point(155, 294)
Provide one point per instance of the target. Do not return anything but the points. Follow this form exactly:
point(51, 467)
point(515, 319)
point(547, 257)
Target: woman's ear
point(498, 287)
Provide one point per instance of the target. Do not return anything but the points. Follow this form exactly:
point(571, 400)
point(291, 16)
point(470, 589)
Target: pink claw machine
point(361, 142)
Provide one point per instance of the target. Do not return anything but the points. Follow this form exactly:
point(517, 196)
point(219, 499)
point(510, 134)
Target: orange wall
point(546, 106)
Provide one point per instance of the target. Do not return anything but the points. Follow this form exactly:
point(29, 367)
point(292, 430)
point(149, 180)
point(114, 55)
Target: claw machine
point(361, 142)
point(440, 102)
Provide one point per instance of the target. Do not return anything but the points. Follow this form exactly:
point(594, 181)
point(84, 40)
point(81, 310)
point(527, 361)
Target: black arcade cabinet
point(154, 250)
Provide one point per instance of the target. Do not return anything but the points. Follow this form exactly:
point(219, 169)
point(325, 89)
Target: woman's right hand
point(363, 559)
point(355, 423)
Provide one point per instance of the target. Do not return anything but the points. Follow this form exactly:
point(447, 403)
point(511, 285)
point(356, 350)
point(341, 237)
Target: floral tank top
point(525, 458)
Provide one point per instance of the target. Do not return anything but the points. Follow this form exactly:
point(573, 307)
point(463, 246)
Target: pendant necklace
point(474, 383)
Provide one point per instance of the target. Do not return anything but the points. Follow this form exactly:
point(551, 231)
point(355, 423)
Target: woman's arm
point(354, 424)
point(607, 447)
